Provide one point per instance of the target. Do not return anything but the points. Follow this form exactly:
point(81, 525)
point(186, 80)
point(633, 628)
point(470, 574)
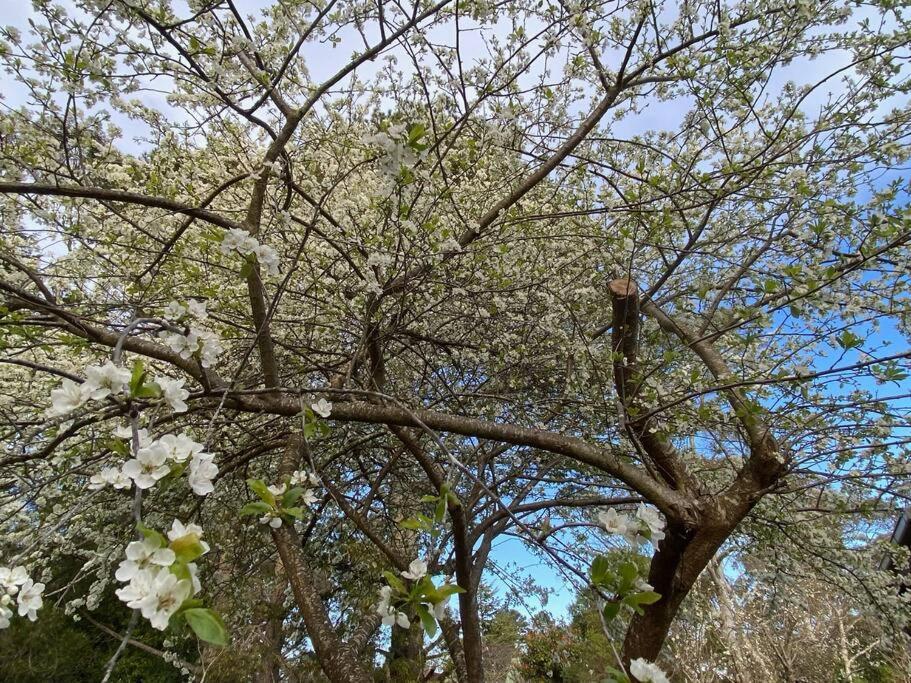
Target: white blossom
point(138, 589)
point(194, 573)
point(211, 347)
point(29, 599)
point(235, 240)
point(148, 466)
point(647, 672)
point(653, 519)
point(180, 447)
point(184, 345)
point(267, 259)
point(180, 530)
point(389, 614)
point(104, 380)
point(174, 311)
point(642, 586)
point(202, 472)
point(165, 597)
point(66, 398)
point(11, 579)
point(109, 476)
point(143, 556)
point(322, 407)
point(197, 309)
point(416, 570)
point(615, 523)
point(272, 520)
point(303, 478)
point(385, 597)
point(174, 393)
point(451, 244)
point(125, 431)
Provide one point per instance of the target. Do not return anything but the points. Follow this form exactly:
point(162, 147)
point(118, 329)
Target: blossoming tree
point(357, 290)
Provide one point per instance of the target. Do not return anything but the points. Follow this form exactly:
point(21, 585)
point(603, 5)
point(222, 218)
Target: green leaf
point(415, 133)
point(207, 625)
point(187, 548)
point(258, 486)
point(616, 676)
point(448, 589)
point(628, 574)
point(395, 582)
point(439, 512)
point(611, 610)
point(600, 570)
point(118, 446)
point(149, 390)
point(410, 523)
point(189, 603)
point(151, 534)
point(257, 508)
point(848, 340)
point(647, 597)
point(181, 571)
point(430, 624)
point(297, 513)
point(136, 377)
point(292, 496)
point(424, 587)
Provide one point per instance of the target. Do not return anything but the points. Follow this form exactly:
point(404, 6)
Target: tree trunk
point(336, 659)
point(269, 670)
point(678, 562)
point(405, 663)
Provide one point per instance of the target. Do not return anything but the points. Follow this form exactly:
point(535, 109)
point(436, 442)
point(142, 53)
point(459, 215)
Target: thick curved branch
point(104, 194)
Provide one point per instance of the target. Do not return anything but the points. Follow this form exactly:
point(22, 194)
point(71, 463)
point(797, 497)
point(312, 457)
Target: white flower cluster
point(153, 586)
point(305, 480)
point(647, 672)
point(376, 262)
point(299, 478)
point(247, 245)
point(198, 340)
point(389, 613)
point(107, 380)
point(177, 311)
point(16, 587)
point(100, 382)
point(416, 571)
point(450, 244)
point(154, 460)
point(646, 525)
point(394, 149)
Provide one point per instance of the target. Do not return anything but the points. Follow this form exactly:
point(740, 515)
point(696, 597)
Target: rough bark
point(337, 660)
